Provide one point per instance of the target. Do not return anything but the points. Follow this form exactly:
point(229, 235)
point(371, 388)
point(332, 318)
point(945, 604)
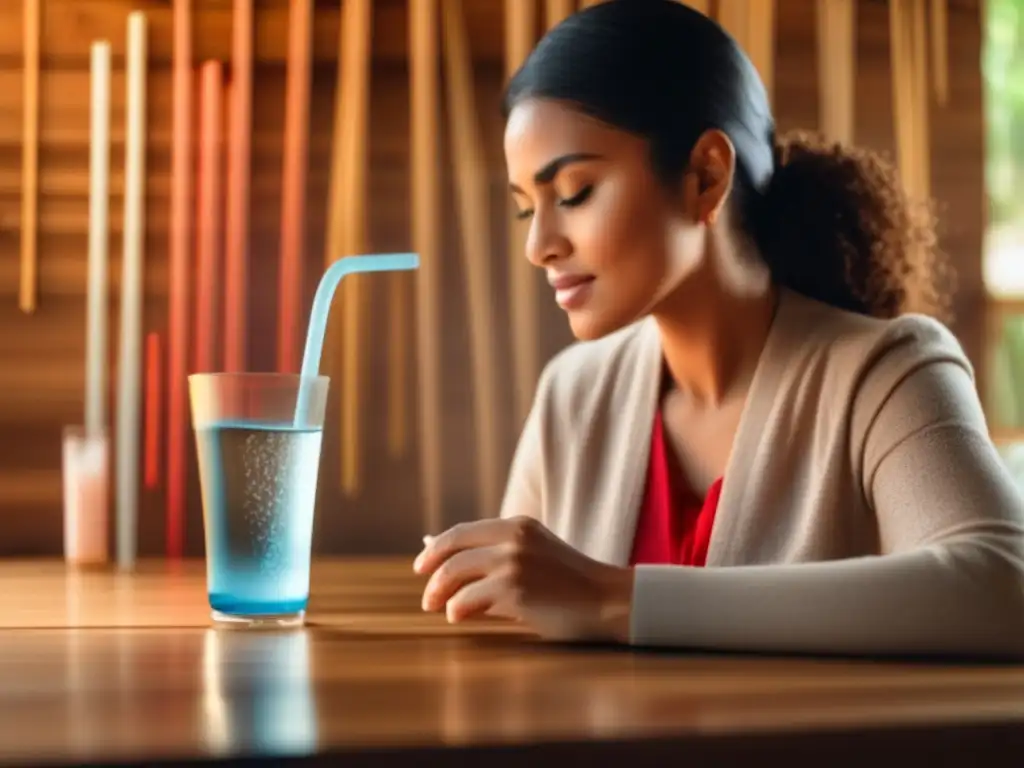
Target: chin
point(590, 326)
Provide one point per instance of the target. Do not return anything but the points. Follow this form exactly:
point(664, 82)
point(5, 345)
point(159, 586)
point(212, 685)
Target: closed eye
point(578, 199)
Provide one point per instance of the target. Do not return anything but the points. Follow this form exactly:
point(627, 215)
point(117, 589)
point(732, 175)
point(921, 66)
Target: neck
point(712, 336)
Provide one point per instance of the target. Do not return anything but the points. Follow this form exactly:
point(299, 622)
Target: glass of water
point(258, 438)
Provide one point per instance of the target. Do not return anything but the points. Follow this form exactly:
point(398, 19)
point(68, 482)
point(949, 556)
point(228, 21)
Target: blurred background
point(338, 164)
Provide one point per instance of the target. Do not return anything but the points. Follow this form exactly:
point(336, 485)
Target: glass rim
point(268, 376)
point(81, 432)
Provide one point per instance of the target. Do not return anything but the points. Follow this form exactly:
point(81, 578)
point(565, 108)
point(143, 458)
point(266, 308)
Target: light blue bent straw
point(349, 265)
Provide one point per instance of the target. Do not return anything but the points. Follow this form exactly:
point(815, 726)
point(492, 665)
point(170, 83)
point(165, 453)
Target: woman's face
point(611, 239)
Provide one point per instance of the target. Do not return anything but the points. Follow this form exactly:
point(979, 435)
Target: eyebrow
point(547, 174)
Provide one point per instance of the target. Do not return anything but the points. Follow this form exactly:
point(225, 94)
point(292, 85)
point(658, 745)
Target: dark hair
point(831, 222)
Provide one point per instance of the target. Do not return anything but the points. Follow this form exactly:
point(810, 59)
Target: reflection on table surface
point(373, 671)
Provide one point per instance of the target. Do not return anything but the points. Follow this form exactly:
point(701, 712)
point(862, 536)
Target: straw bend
point(349, 265)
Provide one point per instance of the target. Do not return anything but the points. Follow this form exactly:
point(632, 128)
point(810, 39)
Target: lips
point(564, 282)
point(571, 291)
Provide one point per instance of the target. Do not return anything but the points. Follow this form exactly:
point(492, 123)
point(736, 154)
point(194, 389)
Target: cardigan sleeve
point(950, 576)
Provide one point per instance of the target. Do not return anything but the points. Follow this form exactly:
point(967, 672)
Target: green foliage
point(1003, 72)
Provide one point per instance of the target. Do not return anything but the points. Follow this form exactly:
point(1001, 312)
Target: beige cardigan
point(860, 437)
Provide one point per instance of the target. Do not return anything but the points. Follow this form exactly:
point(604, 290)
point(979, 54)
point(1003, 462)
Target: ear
point(712, 163)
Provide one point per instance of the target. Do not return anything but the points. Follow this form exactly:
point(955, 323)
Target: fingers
point(475, 599)
point(455, 573)
point(470, 565)
point(479, 533)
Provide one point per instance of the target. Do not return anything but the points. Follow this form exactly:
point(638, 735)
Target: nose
point(545, 243)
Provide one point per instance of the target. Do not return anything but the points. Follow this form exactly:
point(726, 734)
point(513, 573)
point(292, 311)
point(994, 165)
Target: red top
point(675, 524)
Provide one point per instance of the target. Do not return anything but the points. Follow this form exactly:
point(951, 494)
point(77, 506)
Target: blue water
point(259, 493)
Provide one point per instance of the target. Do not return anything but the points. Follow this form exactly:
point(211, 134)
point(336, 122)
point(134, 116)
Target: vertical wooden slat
point(558, 11)
point(426, 239)
point(752, 25)
point(333, 243)
point(733, 16)
point(761, 41)
point(940, 50)
point(130, 351)
point(335, 208)
point(836, 21)
point(154, 407)
point(902, 104)
point(236, 270)
point(180, 271)
point(347, 223)
point(588, 3)
point(472, 195)
point(398, 362)
point(908, 42)
point(356, 298)
point(922, 132)
point(520, 34)
point(208, 224)
point(28, 287)
point(97, 319)
point(293, 196)
point(699, 5)
point(398, 353)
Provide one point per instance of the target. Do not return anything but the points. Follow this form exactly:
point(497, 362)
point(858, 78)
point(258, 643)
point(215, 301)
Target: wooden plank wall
point(42, 355)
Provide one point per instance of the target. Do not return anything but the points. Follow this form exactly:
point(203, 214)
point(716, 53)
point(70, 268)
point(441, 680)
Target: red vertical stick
point(237, 225)
point(154, 401)
point(181, 191)
point(208, 215)
point(293, 201)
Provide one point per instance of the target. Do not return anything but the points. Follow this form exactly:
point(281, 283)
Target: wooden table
point(102, 667)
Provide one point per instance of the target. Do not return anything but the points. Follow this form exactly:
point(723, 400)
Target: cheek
point(629, 244)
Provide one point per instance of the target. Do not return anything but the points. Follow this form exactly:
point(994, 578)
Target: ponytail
point(835, 224)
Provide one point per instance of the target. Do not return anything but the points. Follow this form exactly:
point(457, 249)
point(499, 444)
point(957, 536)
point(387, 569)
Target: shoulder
point(868, 359)
point(893, 352)
point(877, 352)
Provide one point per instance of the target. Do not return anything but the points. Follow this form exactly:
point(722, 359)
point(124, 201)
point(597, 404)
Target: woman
point(761, 441)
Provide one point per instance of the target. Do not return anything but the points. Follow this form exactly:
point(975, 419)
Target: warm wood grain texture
point(27, 287)
point(236, 215)
point(42, 368)
point(556, 11)
point(470, 167)
point(290, 322)
point(352, 169)
point(180, 250)
point(523, 279)
point(153, 404)
point(111, 667)
point(837, 68)
point(425, 208)
point(209, 251)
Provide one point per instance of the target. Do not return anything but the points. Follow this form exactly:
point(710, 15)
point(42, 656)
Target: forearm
point(961, 598)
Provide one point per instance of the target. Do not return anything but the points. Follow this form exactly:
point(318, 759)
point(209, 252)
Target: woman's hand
point(515, 568)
